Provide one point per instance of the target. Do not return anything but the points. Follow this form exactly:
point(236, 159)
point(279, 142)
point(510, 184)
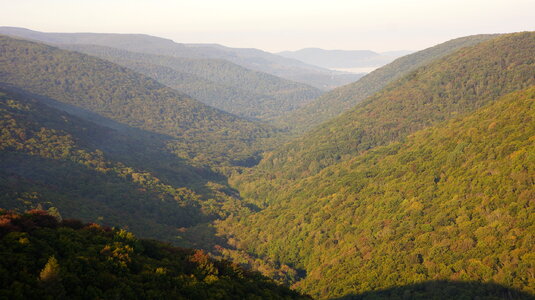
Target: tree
point(50, 272)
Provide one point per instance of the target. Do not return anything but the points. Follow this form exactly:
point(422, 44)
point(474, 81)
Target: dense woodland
point(450, 86)
point(415, 182)
point(338, 100)
point(53, 160)
point(196, 131)
point(452, 202)
point(43, 258)
point(218, 83)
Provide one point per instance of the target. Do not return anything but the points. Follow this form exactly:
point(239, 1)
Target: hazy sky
point(277, 25)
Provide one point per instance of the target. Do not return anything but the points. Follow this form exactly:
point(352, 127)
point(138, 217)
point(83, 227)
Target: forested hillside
point(196, 131)
point(341, 99)
point(52, 160)
point(451, 202)
point(451, 86)
point(252, 59)
point(43, 258)
point(218, 83)
point(416, 182)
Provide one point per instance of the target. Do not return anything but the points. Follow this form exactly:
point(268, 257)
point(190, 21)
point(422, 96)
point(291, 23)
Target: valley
point(263, 176)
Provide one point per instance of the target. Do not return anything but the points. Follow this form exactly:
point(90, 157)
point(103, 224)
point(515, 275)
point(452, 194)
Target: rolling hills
point(450, 202)
point(102, 143)
point(419, 185)
point(253, 59)
point(56, 161)
point(450, 86)
point(338, 100)
point(218, 83)
point(78, 82)
point(410, 185)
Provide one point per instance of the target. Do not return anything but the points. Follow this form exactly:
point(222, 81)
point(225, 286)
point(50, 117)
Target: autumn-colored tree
point(51, 270)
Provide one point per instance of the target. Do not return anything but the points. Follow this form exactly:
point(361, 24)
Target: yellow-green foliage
point(51, 271)
point(451, 202)
point(452, 86)
point(341, 99)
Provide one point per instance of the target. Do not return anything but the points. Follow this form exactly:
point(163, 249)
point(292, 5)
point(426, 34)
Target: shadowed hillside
point(53, 160)
point(43, 258)
point(198, 132)
point(218, 83)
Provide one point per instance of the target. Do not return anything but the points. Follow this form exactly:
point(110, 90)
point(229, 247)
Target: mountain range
point(338, 100)
point(253, 59)
point(414, 182)
point(216, 82)
point(343, 59)
point(85, 82)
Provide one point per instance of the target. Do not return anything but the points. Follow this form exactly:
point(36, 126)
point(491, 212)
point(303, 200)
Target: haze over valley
point(303, 150)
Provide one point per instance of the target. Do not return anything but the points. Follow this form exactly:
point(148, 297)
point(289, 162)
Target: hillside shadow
point(142, 149)
point(83, 193)
point(442, 290)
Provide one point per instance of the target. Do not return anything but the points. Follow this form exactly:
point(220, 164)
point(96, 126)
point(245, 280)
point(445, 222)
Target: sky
point(277, 25)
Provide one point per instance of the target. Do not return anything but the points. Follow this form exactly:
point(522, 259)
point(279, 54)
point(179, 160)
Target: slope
point(53, 160)
point(253, 59)
point(451, 202)
point(277, 65)
point(46, 259)
point(451, 86)
point(218, 83)
point(341, 99)
point(195, 131)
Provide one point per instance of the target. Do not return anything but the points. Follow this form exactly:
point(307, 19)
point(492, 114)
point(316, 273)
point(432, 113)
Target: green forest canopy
point(339, 100)
point(451, 86)
point(53, 160)
point(451, 202)
point(428, 181)
point(218, 83)
point(46, 259)
point(196, 131)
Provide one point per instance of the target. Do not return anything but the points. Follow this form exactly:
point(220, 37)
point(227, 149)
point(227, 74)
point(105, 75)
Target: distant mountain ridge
point(103, 143)
point(197, 131)
point(415, 182)
point(343, 59)
point(338, 100)
point(250, 58)
point(218, 83)
point(448, 86)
